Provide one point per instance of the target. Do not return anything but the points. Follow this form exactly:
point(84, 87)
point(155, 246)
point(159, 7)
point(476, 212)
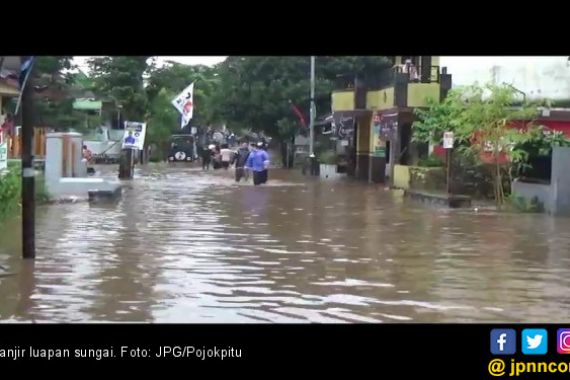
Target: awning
point(8, 89)
point(87, 104)
point(352, 113)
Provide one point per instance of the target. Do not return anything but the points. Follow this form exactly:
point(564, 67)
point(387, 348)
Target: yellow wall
point(380, 99)
point(401, 176)
point(342, 100)
point(418, 93)
point(434, 61)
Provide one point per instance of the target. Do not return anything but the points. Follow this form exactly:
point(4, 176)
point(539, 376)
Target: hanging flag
point(299, 114)
point(184, 103)
point(25, 69)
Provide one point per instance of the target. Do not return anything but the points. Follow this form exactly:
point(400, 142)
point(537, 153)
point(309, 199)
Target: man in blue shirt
point(130, 139)
point(258, 162)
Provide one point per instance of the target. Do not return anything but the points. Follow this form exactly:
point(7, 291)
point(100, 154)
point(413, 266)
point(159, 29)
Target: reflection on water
point(184, 246)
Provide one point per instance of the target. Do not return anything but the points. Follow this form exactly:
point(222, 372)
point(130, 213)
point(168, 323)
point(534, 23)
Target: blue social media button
point(534, 341)
point(503, 341)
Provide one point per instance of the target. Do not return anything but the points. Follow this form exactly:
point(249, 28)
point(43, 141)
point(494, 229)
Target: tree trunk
point(126, 164)
point(498, 183)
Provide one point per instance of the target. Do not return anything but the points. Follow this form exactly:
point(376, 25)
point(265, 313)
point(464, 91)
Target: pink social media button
point(563, 341)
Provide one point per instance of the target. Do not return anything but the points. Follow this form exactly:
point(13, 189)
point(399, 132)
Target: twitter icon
point(534, 341)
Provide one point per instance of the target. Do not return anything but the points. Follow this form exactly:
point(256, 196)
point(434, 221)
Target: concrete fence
point(553, 198)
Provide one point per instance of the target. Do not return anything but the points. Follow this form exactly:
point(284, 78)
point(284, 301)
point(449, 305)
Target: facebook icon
point(503, 341)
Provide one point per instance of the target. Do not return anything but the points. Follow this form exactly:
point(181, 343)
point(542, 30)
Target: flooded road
point(187, 246)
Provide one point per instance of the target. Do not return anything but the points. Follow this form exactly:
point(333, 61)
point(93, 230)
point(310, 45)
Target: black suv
point(182, 148)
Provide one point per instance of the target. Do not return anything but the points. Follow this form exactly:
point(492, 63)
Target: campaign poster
point(134, 136)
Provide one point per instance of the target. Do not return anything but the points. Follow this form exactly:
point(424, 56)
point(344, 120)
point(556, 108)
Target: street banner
point(379, 146)
point(184, 103)
point(135, 133)
point(299, 114)
point(3, 156)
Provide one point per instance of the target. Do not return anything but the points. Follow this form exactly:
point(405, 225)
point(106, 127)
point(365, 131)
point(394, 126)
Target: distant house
point(9, 88)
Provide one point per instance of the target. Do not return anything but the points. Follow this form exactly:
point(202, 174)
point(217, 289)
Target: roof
point(11, 63)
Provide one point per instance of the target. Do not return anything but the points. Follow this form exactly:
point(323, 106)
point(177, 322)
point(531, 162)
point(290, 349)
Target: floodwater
point(188, 246)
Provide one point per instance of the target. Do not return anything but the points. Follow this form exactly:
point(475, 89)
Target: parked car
point(182, 148)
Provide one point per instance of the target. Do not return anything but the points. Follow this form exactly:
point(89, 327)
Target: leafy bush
point(432, 161)
point(522, 204)
point(10, 190)
point(532, 156)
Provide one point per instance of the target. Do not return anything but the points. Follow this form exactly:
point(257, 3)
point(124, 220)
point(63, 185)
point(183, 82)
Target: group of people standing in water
point(247, 158)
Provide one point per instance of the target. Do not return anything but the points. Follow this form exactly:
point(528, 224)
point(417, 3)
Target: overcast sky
point(536, 75)
point(188, 60)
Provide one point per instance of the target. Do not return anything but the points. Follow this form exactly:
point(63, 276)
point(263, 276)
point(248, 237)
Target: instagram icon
point(563, 341)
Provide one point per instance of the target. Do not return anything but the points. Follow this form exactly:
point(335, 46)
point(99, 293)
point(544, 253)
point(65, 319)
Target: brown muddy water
point(188, 246)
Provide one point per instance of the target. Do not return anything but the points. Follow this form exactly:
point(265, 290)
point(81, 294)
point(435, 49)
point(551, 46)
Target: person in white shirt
point(227, 155)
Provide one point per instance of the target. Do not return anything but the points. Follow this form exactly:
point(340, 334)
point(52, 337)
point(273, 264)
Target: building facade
point(383, 114)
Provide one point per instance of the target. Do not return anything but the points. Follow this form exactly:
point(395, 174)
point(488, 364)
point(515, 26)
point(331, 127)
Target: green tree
point(121, 78)
point(53, 95)
point(174, 77)
point(481, 118)
point(254, 92)
point(163, 121)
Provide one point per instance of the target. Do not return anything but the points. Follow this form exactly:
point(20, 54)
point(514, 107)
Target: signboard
point(389, 126)
point(193, 130)
point(184, 103)
point(448, 140)
point(134, 135)
point(378, 144)
point(3, 156)
point(342, 125)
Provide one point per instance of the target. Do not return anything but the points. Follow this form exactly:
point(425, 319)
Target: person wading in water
point(226, 156)
point(241, 157)
point(206, 157)
point(258, 162)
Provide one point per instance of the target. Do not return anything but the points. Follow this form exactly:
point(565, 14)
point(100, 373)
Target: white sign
point(184, 103)
point(448, 140)
point(135, 133)
point(3, 156)
point(193, 130)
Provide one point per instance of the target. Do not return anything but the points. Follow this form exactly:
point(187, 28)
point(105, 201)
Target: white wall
point(538, 77)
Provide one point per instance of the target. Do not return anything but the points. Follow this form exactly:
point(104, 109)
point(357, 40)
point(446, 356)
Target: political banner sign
point(134, 136)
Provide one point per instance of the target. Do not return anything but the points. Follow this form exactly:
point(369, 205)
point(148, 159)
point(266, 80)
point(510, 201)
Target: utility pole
point(28, 180)
point(313, 159)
